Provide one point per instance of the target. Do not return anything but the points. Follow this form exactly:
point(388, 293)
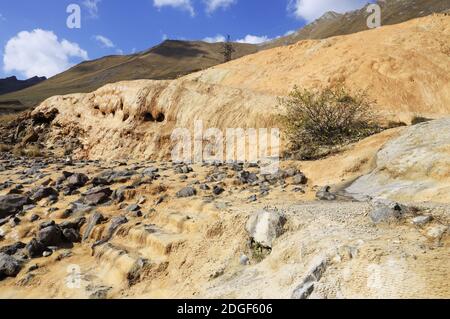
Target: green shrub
point(319, 122)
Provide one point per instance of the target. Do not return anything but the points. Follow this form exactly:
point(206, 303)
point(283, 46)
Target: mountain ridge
point(11, 84)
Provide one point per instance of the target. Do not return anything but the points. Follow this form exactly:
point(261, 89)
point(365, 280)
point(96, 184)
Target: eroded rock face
point(413, 167)
point(136, 119)
point(265, 226)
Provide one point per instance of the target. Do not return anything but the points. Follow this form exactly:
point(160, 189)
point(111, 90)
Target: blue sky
point(35, 40)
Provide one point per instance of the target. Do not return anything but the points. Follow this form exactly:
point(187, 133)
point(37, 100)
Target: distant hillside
point(333, 24)
point(172, 59)
point(12, 84)
point(169, 60)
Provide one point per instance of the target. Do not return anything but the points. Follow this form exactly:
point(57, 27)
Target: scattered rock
point(95, 219)
point(97, 196)
point(9, 266)
point(385, 212)
point(72, 235)
point(135, 274)
point(218, 190)
point(75, 224)
point(265, 226)
point(150, 171)
point(12, 249)
point(14, 221)
point(34, 249)
point(99, 293)
point(305, 289)
point(325, 194)
point(299, 179)
point(34, 218)
point(422, 220)
point(50, 236)
point(133, 208)
point(12, 204)
point(43, 192)
point(115, 223)
point(47, 224)
point(187, 192)
point(246, 177)
point(244, 260)
point(76, 181)
point(437, 232)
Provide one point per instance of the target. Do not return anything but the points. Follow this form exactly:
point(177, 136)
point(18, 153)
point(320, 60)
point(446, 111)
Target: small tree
point(228, 49)
point(317, 122)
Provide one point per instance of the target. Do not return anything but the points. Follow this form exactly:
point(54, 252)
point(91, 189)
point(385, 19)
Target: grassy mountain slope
point(333, 24)
point(169, 60)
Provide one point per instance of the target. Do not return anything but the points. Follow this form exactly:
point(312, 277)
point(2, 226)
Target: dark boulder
point(44, 192)
point(75, 224)
point(47, 224)
point(50, 236)
point(12, 204)
point(94, 220)
point(97, 196)
point(133, 208)
point(76, 181)
point(218, 190)
point(187, 192)
point(71, 235)
point(34, 249)
point(12, 249)
point(9, 266)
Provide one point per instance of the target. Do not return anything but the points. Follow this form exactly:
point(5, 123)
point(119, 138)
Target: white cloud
point(40, 53)
point(290, 32)
point(213, 5)
point(178, 4)
point(217, 38)
point(104, 41)
point(107, 43)
point(92, 7)
point(253, 39)
point(311, 10)
point(165, 37)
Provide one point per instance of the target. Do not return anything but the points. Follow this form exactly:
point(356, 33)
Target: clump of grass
point(319, 122)
point(5, 148)
point(419, 119)
point(31, 151)
point(259, 253)
point(394, 124)
point(6, 119)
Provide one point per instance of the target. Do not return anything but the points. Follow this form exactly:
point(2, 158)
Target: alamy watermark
point(374, 19)
point(74, 19)
point(212, 145)
point(73, 279)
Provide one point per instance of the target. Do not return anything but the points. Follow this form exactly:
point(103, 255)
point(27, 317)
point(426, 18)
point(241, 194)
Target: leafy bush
point(318, 122)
